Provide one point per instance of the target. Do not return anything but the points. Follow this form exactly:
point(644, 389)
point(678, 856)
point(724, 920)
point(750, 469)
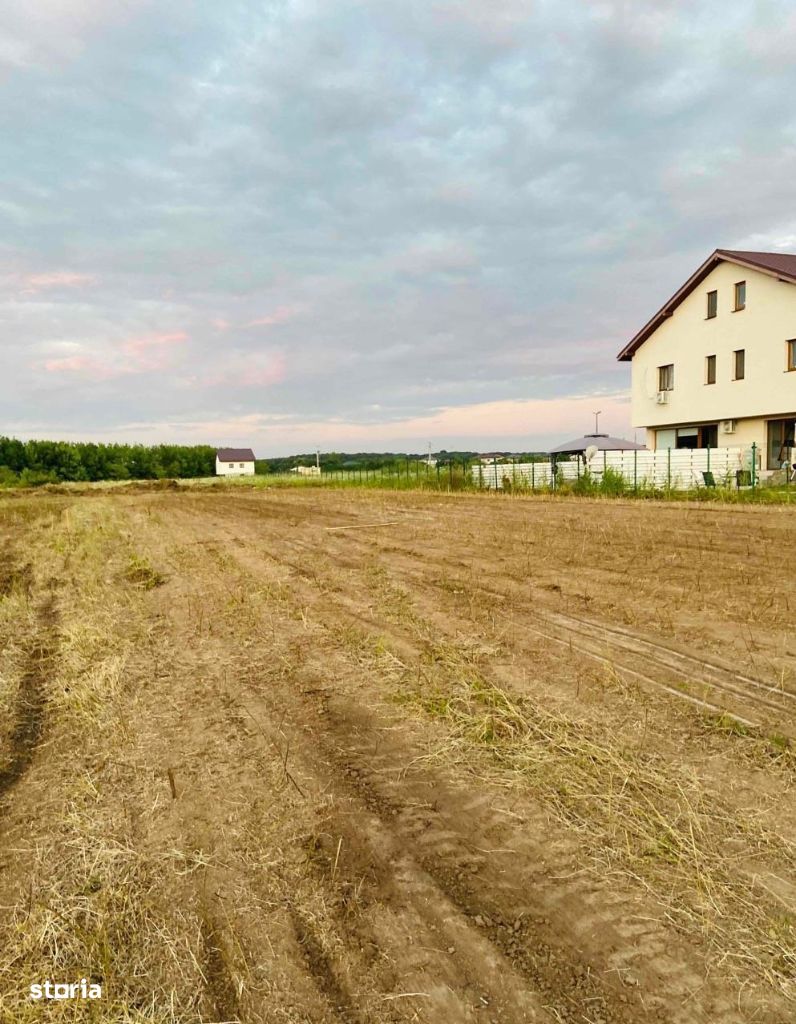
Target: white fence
point(674, 468)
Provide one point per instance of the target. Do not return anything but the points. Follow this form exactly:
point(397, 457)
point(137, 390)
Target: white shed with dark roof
point(234, 462)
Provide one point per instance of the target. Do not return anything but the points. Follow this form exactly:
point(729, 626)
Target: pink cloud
point(279, 316)
point(86, 366)
point(152, 351)
point(142, 354)
point(32, 284)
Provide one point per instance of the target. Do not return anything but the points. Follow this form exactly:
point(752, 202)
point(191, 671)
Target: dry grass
point(88, 902)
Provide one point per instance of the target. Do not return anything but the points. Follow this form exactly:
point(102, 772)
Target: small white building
point(234, 462)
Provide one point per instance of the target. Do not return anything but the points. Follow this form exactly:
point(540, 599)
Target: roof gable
point(781, 265)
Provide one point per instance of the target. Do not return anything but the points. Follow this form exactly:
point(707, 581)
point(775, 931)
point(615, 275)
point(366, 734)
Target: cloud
point(144, 354)
point(37, 35)
point(34, 283)
point(86, 366)
point(279, 316)
point(240, 371)
point(362, 215)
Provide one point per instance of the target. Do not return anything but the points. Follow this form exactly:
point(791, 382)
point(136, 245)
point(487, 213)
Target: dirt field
point(340, 756)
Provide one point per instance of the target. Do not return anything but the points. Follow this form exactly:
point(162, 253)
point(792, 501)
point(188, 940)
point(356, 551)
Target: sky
point(369, 225)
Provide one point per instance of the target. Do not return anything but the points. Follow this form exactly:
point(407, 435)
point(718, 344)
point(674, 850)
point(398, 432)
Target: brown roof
point(235, 455)
point(777, 264)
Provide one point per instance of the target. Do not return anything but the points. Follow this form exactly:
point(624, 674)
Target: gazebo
point(600, 442)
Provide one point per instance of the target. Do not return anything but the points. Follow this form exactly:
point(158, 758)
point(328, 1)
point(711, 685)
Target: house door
point(779, 432)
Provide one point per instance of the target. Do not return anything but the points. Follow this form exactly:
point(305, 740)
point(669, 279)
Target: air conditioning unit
point(728, 426)
point(662, 397)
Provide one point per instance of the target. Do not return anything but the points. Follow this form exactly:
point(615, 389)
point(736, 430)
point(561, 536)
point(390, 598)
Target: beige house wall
point(768, 390)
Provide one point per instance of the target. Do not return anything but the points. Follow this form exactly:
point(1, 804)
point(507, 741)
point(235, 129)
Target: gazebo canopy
point(602, 442)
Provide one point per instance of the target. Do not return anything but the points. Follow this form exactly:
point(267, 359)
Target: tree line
point(31, 463)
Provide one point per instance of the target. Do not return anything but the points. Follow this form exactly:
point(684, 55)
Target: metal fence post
point(533, 477)
point(635, 471)
point(754, 464)
point(668, 468)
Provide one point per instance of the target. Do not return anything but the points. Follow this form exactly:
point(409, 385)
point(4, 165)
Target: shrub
point(613, 482)
point(8, 478)
point(585, 484)
point(36, 478)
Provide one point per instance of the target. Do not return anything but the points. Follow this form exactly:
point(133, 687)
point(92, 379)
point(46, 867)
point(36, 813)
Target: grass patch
point(140, 573)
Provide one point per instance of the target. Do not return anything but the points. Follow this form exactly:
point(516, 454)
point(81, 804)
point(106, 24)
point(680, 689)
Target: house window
point(687, 437)
point(231, 465)
point(781, 435)
point(666, 377)
point(713, 304)
point(710, 370)
point(739, 364)
point(241, 466)
point(740, 295)
point(792, 354)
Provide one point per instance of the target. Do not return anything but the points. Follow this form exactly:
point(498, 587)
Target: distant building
point(716, 365)
point(306, 470)
point(234, 462)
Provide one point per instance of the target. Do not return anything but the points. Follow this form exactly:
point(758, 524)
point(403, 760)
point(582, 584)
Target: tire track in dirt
point(13, 574)
point(413, 829)
point(219, 985)
point(448, 861)
point(30, 701)
point(538, 935)
point(413, 865)
point(320, 966)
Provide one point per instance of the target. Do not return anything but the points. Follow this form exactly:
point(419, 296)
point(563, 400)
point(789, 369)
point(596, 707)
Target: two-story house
point(716, 365)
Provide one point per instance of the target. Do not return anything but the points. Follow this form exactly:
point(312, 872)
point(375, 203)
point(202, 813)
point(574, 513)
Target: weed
point(141, 574)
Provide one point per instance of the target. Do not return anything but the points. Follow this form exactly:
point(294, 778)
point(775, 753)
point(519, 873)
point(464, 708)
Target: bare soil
point(342, 756)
